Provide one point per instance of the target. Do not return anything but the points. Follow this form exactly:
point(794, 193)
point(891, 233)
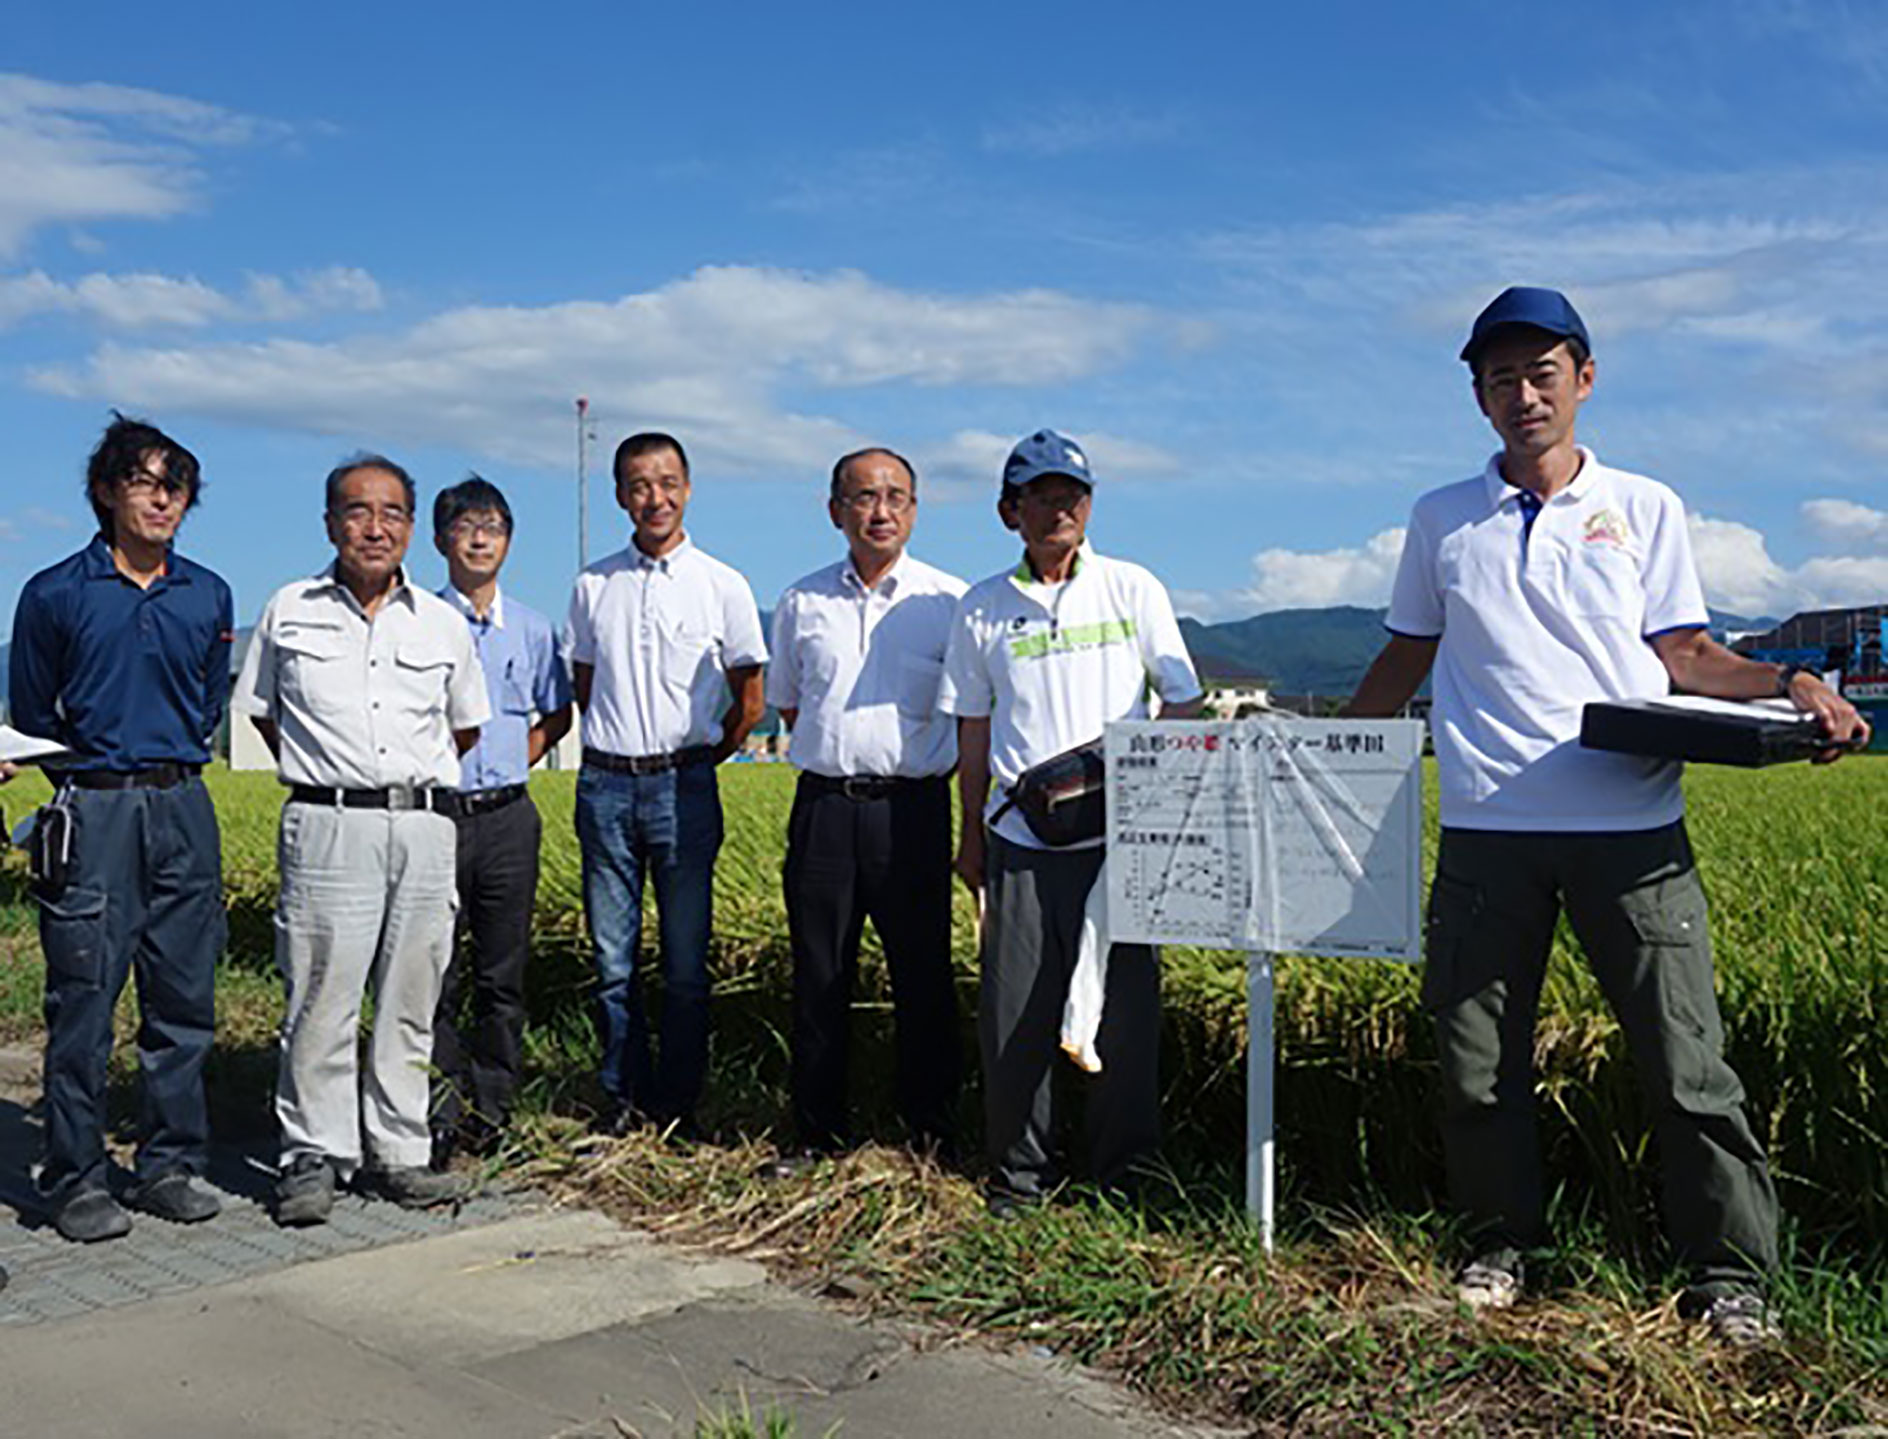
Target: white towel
point(1088, 985)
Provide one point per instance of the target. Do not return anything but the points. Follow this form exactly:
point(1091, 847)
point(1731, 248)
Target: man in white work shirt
point(1545, 582)
point(1041, 658)
point(666, 652)
point(858, 659)
point(367, 690)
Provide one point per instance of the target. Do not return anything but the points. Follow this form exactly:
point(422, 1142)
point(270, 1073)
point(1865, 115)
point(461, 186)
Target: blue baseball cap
point(1046, 453)
point(1537, 309)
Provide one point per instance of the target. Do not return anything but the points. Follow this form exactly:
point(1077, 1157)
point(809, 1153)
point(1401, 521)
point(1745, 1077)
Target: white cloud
point(1846, 527)
point(146, 301)
point(1739, 574)
point(708, 355)
point(1285, 579)
point(1067, 128)
point(84, 153)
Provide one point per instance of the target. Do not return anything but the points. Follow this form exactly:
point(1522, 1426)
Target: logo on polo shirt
point(1606, 527)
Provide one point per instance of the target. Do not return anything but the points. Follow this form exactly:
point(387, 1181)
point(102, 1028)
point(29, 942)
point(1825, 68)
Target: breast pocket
point(316, 670)
point(687, 650)
point(1602, 582)
point(514, 690)
point(920, 677)
point(421, 678)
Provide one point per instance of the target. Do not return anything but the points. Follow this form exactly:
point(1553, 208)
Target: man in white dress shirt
point(367, 690)
point(858, 656)
point(666, 654)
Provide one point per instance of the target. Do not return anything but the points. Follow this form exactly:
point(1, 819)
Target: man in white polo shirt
point(1545, 582)
point(858, 658)
point(367, 690)
point(666, 654)
point(1041, 658)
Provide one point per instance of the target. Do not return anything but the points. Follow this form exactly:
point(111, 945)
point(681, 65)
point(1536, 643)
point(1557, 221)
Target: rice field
point(1795, 861)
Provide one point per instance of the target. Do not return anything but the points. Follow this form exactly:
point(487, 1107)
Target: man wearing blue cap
point(1544, 583)
point(1040, 659)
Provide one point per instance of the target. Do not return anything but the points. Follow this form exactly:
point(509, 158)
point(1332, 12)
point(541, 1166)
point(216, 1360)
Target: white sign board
point(1278, 835)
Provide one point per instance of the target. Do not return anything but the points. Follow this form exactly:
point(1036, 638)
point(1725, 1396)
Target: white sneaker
point(1742, 1320)
point(1491, 1282)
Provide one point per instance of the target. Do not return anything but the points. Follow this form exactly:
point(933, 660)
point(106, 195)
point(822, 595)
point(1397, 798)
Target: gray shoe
point(416, 1186)
point(176, 1197)
point(1741, 1319)
point(305, 1192)
point(1490, 1281)
point(89, 1216)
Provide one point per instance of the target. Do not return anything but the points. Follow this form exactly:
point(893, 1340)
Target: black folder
point(1757, 734)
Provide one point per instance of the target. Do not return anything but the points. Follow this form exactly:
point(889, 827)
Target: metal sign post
point(1261, 1170)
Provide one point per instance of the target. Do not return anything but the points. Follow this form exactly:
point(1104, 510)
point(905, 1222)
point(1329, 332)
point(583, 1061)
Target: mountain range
point(1314, 651)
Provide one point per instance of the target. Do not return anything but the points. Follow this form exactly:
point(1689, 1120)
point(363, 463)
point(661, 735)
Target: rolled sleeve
point(966, 690)
point(1674, 598)
point(1416, 606)
point(743, 644)
point(783, 672)
point(1164, 648)
point(254, 694)
point(468, 704)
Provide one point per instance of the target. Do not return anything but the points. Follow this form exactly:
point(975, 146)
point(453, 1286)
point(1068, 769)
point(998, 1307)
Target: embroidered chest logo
point(1606, 527)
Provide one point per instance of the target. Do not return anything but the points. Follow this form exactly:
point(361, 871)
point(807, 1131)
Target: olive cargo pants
point(1637, 907)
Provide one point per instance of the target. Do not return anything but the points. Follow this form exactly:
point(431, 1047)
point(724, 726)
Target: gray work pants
point(1032, 925)
point(1638, 909)
point(367, 899)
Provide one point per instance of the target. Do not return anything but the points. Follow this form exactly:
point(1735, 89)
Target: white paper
point(1770, 709)
point(17, 748)
point(1290, 836)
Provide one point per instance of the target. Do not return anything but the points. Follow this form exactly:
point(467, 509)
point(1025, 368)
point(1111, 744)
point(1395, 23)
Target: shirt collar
point(99, 565)
point(458, 601)
point(1023, 576)
point(328, 579)
point(887, 582)
point(1500, 492)
point(638, 560)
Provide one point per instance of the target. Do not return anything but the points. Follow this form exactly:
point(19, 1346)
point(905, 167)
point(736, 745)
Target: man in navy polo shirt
point(1547, 581)
point(121, 654)
point(477, 1064)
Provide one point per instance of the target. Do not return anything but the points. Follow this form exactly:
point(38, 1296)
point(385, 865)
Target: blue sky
point(1232, 248)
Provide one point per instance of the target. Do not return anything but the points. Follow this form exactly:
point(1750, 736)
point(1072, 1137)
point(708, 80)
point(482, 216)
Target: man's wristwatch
point(1786, 674)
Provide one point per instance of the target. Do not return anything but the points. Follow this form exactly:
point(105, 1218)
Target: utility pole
point(583, 481)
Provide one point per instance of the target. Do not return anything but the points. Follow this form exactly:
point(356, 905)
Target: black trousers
point(887, 858)
point(145, 898)
point(477, 1045)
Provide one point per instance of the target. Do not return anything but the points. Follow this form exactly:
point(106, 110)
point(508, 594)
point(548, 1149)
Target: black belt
point(484, 801)
point(862, 786)
point(158, 776)
point(398, 796)
point(648, 763)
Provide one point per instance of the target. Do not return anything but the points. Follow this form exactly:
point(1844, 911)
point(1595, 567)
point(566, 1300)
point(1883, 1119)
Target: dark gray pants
point(477, 1056)
point(145, 898)
point(1031, 928)
point(1638, 909)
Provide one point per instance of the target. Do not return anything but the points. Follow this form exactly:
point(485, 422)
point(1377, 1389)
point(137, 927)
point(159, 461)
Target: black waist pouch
point(49, 847)
point(1063, 800)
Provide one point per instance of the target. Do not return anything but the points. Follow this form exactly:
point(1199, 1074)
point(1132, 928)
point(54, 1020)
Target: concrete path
point(548, 1323)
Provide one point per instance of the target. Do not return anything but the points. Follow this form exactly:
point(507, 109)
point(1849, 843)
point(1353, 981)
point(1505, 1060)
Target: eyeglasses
point(358, 516)
point(142, 483)
point(479, 530)
point(865, 501)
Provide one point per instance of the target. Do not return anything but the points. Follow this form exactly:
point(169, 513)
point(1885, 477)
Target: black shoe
point(621, 1120)
point(415, 1186)
point(1008, 1204)
point(177, 1197)
point(90, 1216)
point(305, 1192)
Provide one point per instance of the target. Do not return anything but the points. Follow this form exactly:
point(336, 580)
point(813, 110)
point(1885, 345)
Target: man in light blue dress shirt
point(476, 1054)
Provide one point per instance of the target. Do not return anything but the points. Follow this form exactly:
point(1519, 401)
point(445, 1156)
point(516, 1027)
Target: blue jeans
point(145, 898)
point(667, 826)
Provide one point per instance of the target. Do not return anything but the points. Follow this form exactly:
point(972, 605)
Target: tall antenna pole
point(583, 482)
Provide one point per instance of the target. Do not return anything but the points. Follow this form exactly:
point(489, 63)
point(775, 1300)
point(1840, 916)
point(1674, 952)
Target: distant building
point(1848, 644)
